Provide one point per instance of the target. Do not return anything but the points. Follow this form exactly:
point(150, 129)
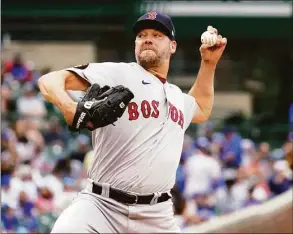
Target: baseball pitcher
point(138, 120)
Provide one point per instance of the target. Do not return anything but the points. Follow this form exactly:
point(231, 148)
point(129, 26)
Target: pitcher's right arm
point(53, 87)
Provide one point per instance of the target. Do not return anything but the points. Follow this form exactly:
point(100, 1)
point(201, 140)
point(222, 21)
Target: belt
point(130, 198)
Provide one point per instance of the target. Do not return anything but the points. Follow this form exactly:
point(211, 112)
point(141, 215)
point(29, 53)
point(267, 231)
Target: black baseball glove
point(101, 107)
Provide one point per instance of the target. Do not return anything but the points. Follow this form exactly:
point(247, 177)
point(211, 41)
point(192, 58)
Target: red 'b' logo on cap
point(152, 15)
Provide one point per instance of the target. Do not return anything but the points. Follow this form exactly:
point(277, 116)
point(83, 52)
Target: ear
point(173, 46)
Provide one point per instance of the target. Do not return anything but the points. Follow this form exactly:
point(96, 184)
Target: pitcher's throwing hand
point(212, 54)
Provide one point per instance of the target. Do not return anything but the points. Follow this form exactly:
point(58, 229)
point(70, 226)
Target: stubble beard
point(149, 61)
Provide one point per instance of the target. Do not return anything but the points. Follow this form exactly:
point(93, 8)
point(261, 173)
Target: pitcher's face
point(152, 47)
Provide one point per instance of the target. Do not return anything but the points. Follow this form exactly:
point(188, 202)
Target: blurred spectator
point(199, 209)
point(9, 155)
point(216, 145)
point(17, 68)
point(281, 180)
point(261, 191)
point(26, 206)
point(25, 148)
point(77, 170)
point(231, 149)
point(251, 198)
point(82, 142)
point(46, 222)
point(264, 150)
point(248, 152)
point(209, 131)
point(4, 140)
point(9, 218)
point(202, 171)
point(54, 179)
point(33, 74)
point(56, 133)
point(9, 194)
point(44, 202)
point(264, 159)
point(29, 223)
point(30, 105)
point(237, 189)
point(28, 186)
point(205, 209)
point(67, 196)
point(253, 163)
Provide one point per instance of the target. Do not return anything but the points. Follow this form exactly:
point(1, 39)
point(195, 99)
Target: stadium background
point(43, 165)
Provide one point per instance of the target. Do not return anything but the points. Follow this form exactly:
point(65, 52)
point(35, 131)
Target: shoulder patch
point(82, 67)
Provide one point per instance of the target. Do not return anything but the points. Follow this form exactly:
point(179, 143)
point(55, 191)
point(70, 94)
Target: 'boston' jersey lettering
point(148, 136)
point(150, 109)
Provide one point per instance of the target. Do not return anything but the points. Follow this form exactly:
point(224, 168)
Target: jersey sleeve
point(100, 73)
point(190, 108)
point(215, 170)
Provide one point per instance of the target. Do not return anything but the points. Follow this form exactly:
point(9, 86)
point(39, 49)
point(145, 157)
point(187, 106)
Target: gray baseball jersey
point(141, 152)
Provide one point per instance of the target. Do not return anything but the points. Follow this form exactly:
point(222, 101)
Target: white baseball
point(209, 38)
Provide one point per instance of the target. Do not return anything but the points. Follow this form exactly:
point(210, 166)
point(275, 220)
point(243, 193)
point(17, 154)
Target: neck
point(160, 71)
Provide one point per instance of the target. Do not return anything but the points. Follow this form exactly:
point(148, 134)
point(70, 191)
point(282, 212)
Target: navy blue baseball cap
point(155, 20)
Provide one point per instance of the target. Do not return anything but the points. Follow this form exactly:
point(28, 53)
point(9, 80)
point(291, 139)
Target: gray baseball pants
point(92, 213)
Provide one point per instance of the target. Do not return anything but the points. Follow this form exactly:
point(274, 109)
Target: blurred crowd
point(220, 172)
point(44, 165)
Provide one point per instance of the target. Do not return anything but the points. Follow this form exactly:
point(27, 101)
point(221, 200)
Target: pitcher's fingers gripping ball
point(213, 46)
point(211, 38)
